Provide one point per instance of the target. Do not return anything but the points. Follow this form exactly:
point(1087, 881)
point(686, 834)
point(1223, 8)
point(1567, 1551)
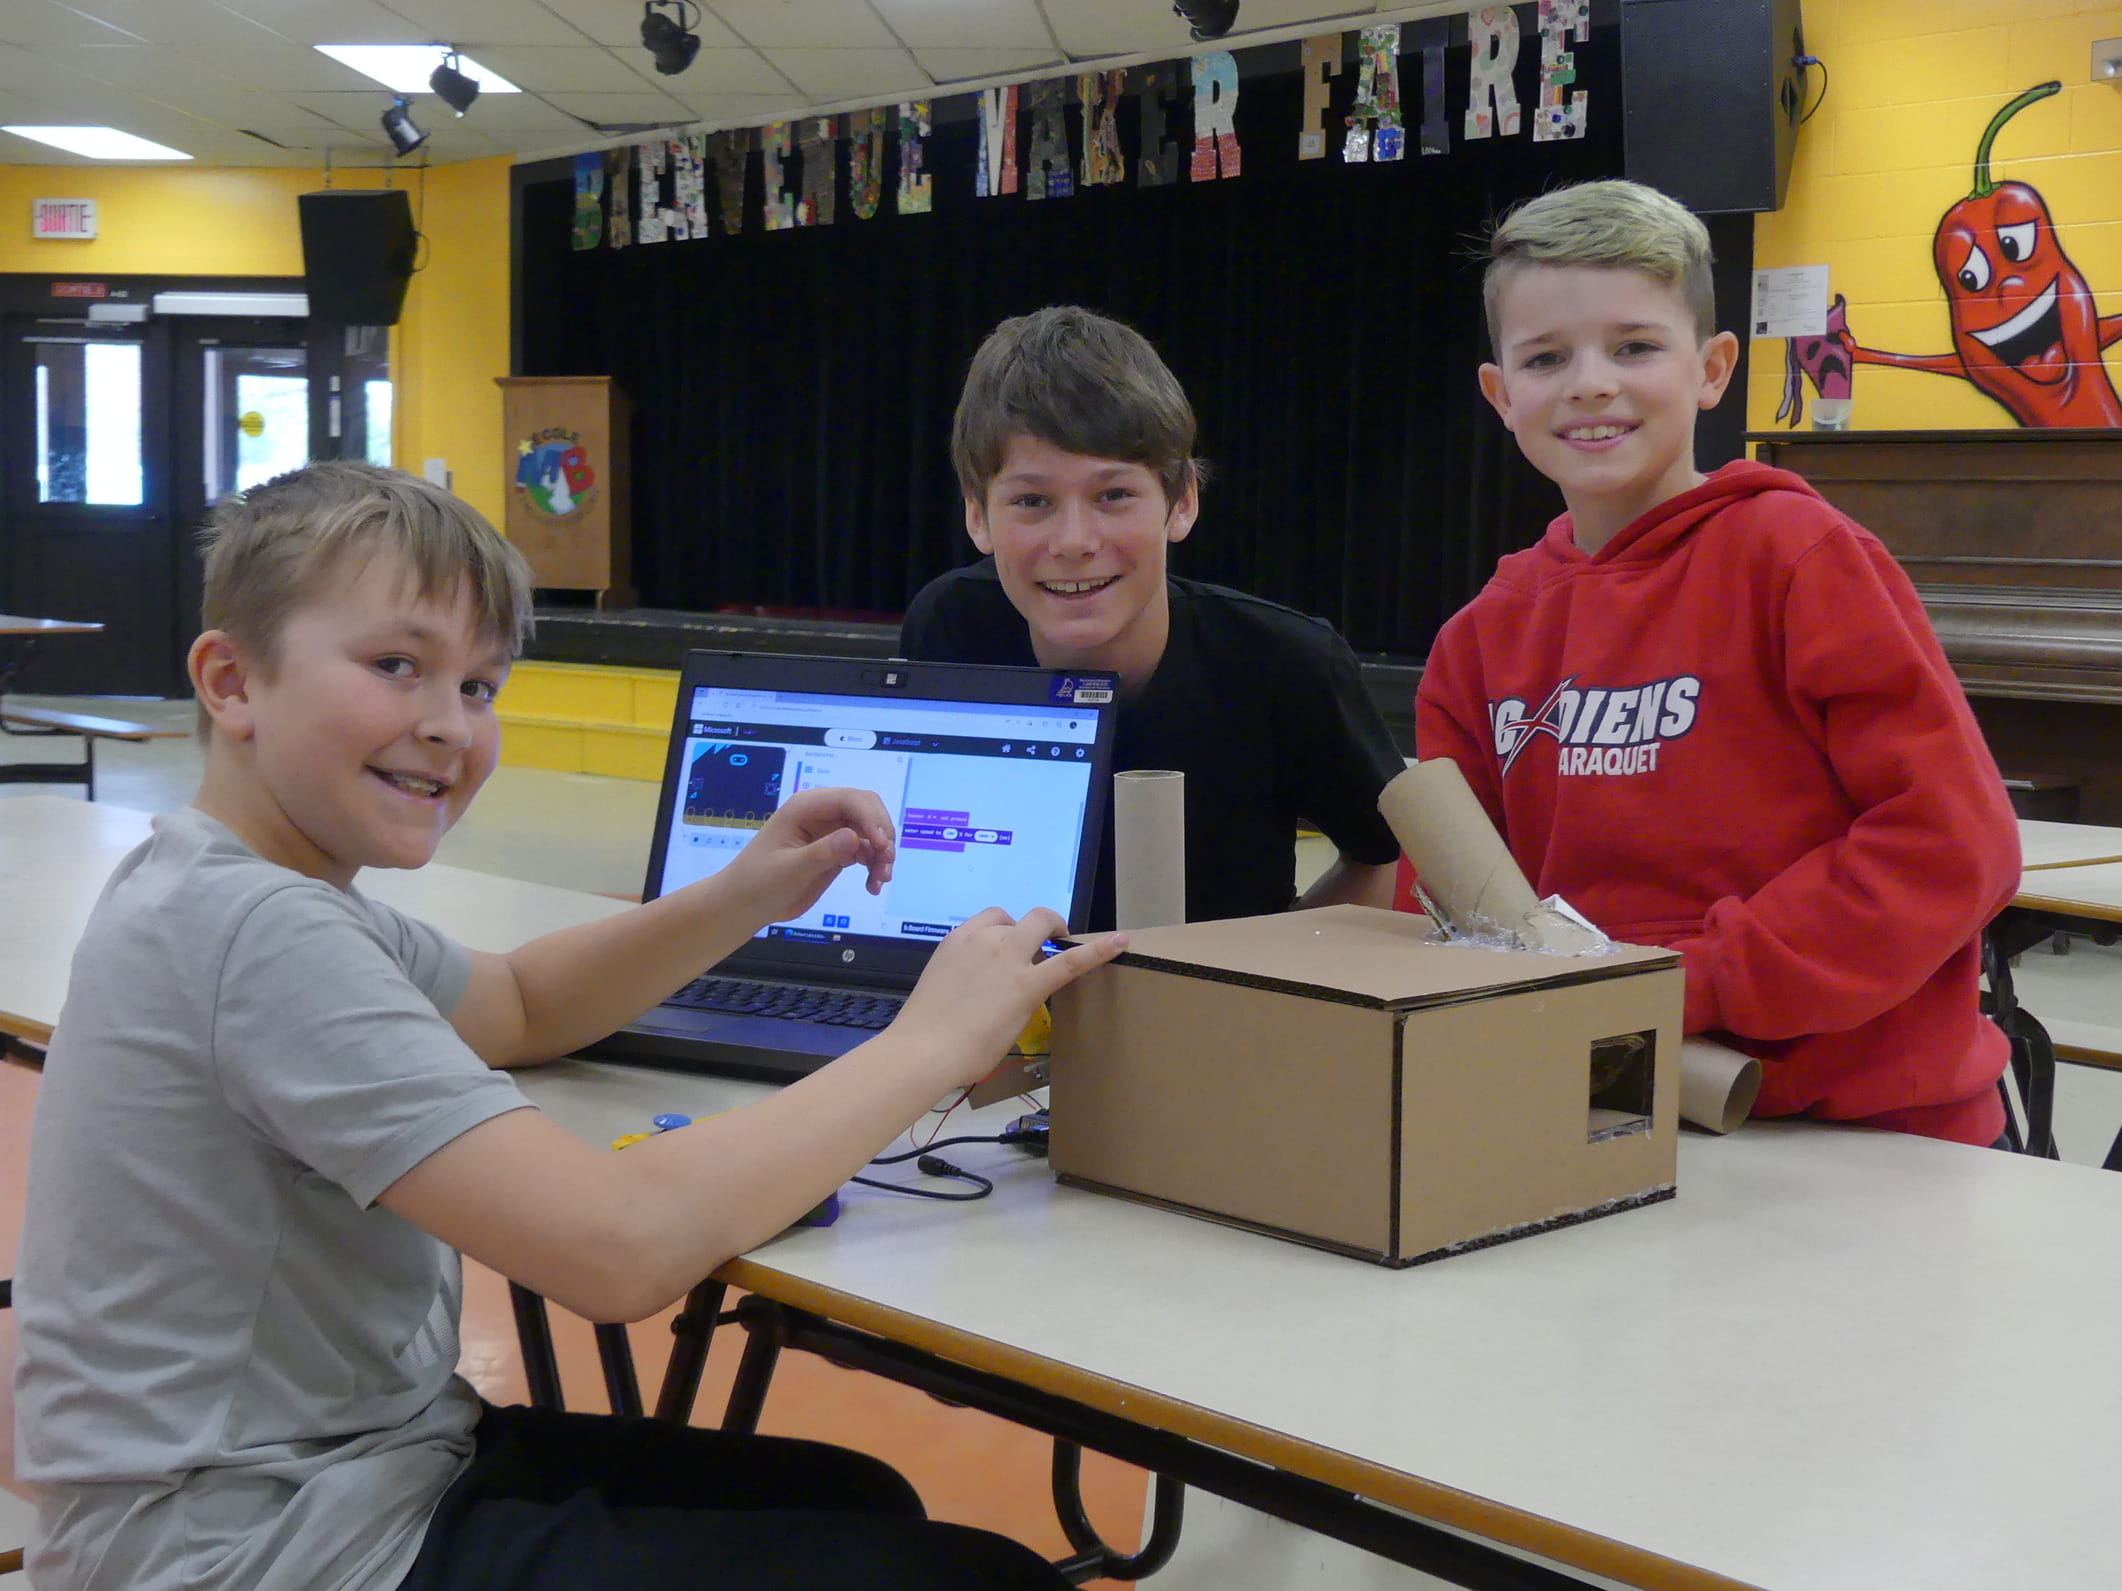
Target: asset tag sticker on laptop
point(1071, 691)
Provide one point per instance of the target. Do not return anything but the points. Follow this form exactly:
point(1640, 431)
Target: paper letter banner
point(1047, 173)
point(1377, 96)
point(1102, 161)
point(1561, 113)
point(589, 201)
point(1215, 116)
point(915, 187)
point(649, 160)
point(1322, 59)
point(1158, 163)
point(618, 185)
point(997, 172)
point(726, 151)
point(815, 208)
point(1491, 101)
point(690, 153)
point(865, 162)
point(776, 144)
point(1429, 37)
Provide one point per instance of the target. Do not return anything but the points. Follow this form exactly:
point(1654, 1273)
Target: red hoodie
point(1731, 732)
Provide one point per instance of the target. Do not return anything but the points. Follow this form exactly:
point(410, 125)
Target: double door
point(114, 441)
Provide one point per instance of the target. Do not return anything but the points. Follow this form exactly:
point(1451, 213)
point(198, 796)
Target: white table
point(2044, 845)
point(1838, 1361)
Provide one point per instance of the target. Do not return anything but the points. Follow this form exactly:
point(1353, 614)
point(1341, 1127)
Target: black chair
point(2028, 1086)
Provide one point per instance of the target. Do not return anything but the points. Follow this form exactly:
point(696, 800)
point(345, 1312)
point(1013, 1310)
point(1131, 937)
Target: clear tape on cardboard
point(1717, 1085)
point(1468, 882)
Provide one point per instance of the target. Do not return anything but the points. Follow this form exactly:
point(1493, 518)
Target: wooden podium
point(569, 496)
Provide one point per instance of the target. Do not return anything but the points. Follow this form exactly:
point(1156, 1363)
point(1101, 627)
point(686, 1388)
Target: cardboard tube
point(1464, 869)
point(1149, 848)
point(1717, 1085)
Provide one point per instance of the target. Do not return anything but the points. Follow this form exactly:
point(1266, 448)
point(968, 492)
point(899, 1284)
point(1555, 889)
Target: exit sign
point(62, 218)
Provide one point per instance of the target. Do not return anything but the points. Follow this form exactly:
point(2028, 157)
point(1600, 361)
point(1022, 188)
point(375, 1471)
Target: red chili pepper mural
point(2025, 329)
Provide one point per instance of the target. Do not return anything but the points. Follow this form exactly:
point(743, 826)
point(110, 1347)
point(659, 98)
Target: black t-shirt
point(1261, 707)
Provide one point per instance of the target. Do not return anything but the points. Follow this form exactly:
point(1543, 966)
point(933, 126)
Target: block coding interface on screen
point(987, 800)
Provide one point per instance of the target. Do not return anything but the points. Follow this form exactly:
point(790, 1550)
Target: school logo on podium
point(553, 472)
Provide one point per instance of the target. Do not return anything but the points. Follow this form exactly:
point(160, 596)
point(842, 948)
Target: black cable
point(951, 1143)
point(1814, 60)
point(936, 1166)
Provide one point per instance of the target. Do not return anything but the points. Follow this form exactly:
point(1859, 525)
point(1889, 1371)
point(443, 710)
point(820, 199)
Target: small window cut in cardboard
point(1623, 1083)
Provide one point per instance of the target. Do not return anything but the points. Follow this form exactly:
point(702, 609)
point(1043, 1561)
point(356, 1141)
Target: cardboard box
point(1339, 1078)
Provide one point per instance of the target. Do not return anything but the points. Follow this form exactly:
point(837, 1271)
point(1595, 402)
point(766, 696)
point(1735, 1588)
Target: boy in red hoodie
point(1708, 710)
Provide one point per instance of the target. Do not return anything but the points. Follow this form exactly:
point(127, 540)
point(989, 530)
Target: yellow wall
point(1913, 83)
point(448, 347)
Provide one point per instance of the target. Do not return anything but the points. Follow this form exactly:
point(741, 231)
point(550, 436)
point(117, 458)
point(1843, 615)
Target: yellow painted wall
point(450, 344)
point(1913, 83)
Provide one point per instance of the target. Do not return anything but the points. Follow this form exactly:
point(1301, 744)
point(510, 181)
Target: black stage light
point(1209, 19)
point(398, 124)
point(457, 90)
point(670, 41)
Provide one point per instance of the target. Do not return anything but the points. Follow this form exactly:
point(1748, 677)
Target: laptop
point(996, 777)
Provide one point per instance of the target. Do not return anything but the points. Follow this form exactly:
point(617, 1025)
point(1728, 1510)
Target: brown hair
point(1079, 382)
point(278, 547)
point(1619, 224)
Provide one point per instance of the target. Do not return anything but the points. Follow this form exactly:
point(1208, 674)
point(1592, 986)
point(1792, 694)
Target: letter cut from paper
point(776, 144)
point(815, 208)
point(690, 154)
point(727, 150)
point(997, 172)
point(1102, 161)
point(1158, 164)
point(589, 201)
point(1215, 116)
point(1321, 59)
point(1491, 98)
point(1047, 173)
point(619, 189)
point(1374, 124)
point(650, 159)
point(1561, 113)
point(916, 187)
point(1429, 38)
point(865, 162)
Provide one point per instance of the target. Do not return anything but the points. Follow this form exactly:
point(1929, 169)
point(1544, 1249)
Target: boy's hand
point(985, 980)
point(804, 845)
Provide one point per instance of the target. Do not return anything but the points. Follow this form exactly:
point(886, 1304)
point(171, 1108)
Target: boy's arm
point(617, 1236)
point(570, 988)
point(1857, 924)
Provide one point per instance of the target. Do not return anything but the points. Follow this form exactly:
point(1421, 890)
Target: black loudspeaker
point(357, 253)
point(1711, 95)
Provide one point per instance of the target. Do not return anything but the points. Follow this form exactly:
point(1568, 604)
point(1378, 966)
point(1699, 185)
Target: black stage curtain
point(793, 390)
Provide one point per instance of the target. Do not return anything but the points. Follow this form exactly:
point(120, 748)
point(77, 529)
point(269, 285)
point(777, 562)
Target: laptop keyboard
point(841, 1008)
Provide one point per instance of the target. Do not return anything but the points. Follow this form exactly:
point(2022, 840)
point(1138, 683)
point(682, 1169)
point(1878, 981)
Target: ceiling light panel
point(99, 143)
point(405, 68)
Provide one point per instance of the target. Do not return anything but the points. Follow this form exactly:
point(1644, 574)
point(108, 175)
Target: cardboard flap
point(1359, 955)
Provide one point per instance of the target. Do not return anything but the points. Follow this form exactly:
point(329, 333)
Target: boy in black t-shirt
point(1074, 448)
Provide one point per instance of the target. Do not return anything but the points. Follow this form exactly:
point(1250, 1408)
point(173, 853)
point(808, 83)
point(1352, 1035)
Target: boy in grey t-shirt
point(272, 1117)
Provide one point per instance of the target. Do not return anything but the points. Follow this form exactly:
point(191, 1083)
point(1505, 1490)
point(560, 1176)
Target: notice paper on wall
point(1789, 301)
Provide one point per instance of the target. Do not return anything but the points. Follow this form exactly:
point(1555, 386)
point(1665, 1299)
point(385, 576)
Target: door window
point(257, 416)
point(87, 399)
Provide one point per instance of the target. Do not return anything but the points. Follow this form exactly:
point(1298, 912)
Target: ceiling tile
point(829, 76)
point(746, 110)
point(172, 21)
point(619, 22)
point(987, 24)
point(812, 24)
point(40, 22)
point(279, 68)
point(506, 116)
point(134, 66)
point(725, 72)
point(332, 21)
point(583, 68)
point(656, 108)
point(468, 22)
point(958, 66)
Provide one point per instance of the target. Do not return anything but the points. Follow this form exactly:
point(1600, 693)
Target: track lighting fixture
point(398, 126)
point(1209, 19)
point(456, 90)
point(670, 40)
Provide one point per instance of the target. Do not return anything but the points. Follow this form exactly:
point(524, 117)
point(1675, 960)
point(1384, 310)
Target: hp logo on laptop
point(847, 955)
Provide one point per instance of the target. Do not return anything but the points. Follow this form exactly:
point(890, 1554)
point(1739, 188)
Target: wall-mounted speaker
point(357, 253)
point(1711, 94)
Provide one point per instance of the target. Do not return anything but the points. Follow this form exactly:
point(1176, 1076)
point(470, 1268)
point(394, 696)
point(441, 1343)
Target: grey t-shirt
point(236, 1373)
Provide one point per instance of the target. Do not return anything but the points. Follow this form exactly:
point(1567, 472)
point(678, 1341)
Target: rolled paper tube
point(1149, 848)
point(1717, 1085)
point(1462, 865)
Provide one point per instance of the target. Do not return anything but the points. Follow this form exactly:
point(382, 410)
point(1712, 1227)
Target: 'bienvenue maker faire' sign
point(658, 191)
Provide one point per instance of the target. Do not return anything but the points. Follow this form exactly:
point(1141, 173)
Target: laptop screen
point(993, 776)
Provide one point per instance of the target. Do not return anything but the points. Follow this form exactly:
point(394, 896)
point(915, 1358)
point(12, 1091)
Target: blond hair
point(1622, 225)
point(1080, 382)
point(281, 546)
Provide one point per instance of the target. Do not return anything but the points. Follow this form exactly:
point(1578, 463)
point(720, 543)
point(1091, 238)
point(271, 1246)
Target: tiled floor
point(589, 833)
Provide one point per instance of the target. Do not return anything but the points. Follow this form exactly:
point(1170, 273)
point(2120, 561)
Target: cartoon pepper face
point(2023, 317)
